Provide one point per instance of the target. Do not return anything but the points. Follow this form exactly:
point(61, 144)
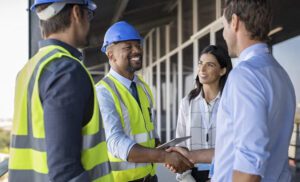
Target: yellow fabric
point(19, 127)
point(91, 157)
point(30, 159)
point(20, 160)
point(140, 122)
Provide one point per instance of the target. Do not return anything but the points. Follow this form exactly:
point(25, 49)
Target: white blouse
point(198, 119)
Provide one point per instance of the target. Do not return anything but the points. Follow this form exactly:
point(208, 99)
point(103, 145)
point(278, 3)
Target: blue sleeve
point(67, 98)
point(249, 113)
point(118, 143)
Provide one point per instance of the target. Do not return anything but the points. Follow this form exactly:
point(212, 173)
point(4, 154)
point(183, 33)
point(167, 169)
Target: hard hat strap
point(52, 10)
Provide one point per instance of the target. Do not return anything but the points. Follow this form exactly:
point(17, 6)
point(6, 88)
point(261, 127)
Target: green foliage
point(297, 118)
point(4, 140)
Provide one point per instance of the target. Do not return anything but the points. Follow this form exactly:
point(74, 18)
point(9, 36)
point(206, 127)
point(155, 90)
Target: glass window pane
point(154, 57)
point(174, 92)
point(220, 40)
point(222, 5)
point(188, 78)
point(206, 12)
point(162, 41)
point(187, 19)
point(163, 100)
point(147, 48)
point(173, 31)
point(148, 52)
point(153, 86)
point(203, 42)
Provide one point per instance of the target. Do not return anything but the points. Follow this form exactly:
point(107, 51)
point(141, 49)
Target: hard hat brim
point(90, 4)
point(103, 48)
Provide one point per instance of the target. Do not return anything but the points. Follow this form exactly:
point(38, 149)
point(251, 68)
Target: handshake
point(178, 159)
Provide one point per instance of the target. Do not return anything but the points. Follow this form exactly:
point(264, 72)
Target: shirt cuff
point(120, 145)
point(128, 149)
point(245, 163)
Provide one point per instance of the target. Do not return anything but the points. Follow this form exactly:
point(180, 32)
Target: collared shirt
point(67, 99)
point(118, 143)
point(198, 120)
point(255, 119)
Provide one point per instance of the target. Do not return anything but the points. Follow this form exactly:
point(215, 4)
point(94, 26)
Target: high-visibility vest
point(137, 123)
point(28, 158)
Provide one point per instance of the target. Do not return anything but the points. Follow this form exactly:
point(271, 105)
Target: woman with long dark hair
point(198, 110)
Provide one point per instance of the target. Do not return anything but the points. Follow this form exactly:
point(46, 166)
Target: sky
point(13, 49)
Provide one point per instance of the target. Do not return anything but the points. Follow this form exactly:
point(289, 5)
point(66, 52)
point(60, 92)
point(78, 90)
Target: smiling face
point(126, 57)
point(209, 69)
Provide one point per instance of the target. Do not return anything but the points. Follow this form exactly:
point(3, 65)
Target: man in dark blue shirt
point(56, 120)
point(67, 97)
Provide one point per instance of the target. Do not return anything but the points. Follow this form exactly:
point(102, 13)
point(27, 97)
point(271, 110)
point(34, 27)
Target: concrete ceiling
point(147, 14)
point(142, 14)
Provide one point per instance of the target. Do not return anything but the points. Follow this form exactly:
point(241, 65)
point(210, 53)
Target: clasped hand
point(178, 160)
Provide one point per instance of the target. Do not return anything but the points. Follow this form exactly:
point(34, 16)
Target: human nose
point(202, 67)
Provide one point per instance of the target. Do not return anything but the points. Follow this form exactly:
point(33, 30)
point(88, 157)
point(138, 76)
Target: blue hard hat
point(120, 31)
point(89, 3)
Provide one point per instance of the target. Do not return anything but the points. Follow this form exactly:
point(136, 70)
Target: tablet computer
point(173, 142)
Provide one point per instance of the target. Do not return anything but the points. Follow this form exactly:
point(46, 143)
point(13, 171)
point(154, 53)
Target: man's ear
point(234, 22)
point(110, 55)
point(76, 14)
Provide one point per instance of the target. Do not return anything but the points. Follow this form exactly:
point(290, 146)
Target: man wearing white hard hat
point(126, 105)
point(57, 133)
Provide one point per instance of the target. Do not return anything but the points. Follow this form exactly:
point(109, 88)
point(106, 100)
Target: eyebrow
point(206, 62)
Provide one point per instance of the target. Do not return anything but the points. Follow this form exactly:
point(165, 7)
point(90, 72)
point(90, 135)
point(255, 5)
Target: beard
point(83, 36)
point(84, 42)
point(134, 65)
point(232, 54)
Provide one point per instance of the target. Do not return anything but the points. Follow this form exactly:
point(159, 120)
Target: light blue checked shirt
point(255, 119)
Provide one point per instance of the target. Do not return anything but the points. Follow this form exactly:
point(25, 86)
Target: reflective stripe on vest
point(139, 138)
point(119, 166)
point(28, 151)
point(30, 175)
point(144, 133)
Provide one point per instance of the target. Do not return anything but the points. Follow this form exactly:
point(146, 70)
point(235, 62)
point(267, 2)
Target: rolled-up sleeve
point(118, 143)
point(251, 135)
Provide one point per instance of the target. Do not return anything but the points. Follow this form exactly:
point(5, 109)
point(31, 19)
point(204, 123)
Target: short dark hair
point(57, 23)
point(256, 14)
point(224, 61)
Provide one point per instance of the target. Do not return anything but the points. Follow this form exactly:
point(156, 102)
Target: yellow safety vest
point(139, 126)
point(28, 158)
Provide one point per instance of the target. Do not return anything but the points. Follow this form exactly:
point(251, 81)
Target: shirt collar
point(125, 81)
point(215, 99)
point(200, 96)
point(253, 50)
point(72, 50)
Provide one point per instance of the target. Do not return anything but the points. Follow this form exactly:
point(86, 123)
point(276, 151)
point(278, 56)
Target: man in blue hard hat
point(126, 105)
point(57, 134)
